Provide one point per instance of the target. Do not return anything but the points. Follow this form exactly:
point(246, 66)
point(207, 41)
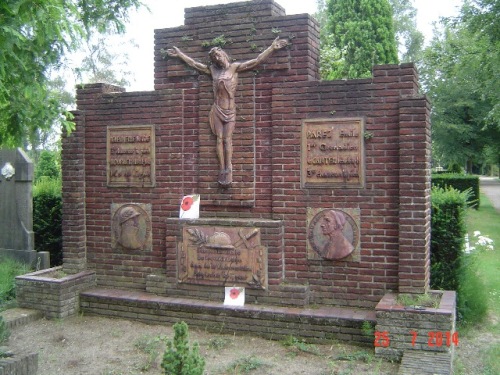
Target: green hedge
point(459, 182)
point(451, 267)
point(448, 231)
point(47, 218)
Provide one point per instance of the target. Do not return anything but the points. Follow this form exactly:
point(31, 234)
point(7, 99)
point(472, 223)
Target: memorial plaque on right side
point(332, 153)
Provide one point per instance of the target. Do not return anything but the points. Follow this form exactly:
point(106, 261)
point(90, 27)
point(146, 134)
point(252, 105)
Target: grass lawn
point(487, 221)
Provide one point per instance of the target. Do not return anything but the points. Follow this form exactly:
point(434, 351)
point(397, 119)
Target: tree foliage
point(178, 358)
point(461, 74)
point(102, 65)
point(410, 39)
point(359, 34)
point(34, 37)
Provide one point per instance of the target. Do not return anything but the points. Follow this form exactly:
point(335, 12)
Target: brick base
point(54, 297)
point(19, 364)
point(272, 322)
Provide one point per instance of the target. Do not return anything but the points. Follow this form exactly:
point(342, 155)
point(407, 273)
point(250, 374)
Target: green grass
point(9, 269)
point(487, 221)
point(245, 365)
point(299, 345)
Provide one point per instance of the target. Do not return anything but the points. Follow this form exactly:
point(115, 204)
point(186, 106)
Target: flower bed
point(53, 292)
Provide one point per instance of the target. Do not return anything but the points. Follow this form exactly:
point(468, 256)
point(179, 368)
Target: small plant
point(245, 365)
point(150, 346)
point(275, 30)
point(186, 38)
point(4, 331)
point(9, 269)
point(218, 343)
point(356, 356)
point(218, 41)
point(368, 135)
point(178, 358)
point(299, 345)
point(367, 328)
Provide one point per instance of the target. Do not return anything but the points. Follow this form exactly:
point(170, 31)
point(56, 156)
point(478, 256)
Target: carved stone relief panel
point(131, 227)
point(333, 234)
point(131, 156)
point(332, 153)
point(222, 256)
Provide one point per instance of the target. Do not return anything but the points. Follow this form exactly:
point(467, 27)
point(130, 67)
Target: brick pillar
point(414, 195)
point(73, 176)
point(73, 194)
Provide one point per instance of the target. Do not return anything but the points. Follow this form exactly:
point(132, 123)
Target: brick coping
point(44, 275)
point(355, 314)
point(447, 304)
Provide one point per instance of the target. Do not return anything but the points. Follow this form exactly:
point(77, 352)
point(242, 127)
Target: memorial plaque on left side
point(131, 156)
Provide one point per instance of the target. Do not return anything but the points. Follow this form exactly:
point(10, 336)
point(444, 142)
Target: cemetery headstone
point(16, 206)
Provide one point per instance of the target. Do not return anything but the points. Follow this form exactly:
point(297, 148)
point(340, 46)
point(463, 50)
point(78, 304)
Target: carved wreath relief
point(131, 226)
point(333, 234)
point(223, 256)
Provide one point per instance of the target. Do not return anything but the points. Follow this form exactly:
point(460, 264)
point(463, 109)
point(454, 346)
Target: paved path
point(490, 186)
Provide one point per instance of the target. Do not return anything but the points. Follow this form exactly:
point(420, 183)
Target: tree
point(461, 75)
point(410, 39)
point(360, 34)
point(34, 37)
point(101, 65)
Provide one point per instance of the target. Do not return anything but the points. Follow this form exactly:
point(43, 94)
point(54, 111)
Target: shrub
point(451, 267)
point(9, 269)
point(459, 182)
point(48, 165)
point(447, 236)
point(178, 359)
point(47, 218)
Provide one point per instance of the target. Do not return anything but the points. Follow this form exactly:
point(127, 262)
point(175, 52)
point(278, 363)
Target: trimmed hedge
point(448, 231)
point(461, 183)
point(47, 219)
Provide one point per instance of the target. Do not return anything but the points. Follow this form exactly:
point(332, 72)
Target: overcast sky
point(165, 14)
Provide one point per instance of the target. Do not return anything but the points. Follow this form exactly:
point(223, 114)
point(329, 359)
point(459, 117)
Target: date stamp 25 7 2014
point(435, 338)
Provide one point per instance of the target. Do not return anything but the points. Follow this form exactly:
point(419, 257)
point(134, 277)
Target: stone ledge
point(19, 364)
point(234, 222)
point(18, 316)
point(275, 322)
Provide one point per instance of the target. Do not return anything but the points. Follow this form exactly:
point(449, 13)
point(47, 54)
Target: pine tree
point(178, 359)
point(361, 35)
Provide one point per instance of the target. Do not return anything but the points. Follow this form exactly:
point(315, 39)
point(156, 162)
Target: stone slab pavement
point(490, 186)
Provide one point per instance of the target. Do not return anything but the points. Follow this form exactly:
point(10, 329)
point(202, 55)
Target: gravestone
point(16, 206)
point(327, 197)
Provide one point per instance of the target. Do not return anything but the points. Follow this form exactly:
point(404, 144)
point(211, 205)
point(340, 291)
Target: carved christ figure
point(222, 116)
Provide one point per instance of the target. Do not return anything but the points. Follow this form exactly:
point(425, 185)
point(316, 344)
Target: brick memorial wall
point(305, 151)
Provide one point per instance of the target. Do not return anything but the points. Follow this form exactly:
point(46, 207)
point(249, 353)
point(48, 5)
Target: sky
point(165, 14)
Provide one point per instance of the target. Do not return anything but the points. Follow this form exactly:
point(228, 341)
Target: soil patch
point(97, 345)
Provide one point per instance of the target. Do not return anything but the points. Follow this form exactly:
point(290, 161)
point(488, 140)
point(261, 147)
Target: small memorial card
point(190, 207)
point(235, 296)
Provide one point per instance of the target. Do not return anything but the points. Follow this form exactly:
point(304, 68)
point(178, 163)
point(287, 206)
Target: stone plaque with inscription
point(332, 153)
point(222, 256)
point(333, 234)
point(131, 156)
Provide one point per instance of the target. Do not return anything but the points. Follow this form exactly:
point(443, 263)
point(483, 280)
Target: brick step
point(318, 325)
point(425, 363)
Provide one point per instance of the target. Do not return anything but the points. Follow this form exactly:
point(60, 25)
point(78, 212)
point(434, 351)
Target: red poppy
point(234, 293)
point(187, 202)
